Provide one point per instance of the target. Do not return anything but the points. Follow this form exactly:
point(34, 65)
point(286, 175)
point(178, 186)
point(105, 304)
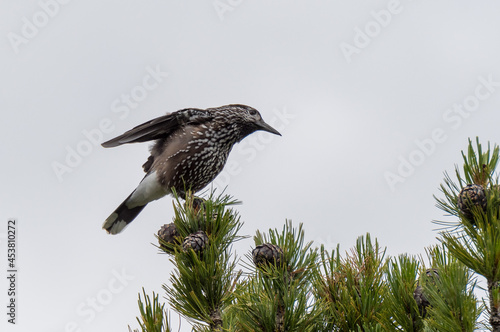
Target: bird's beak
point(261, 125)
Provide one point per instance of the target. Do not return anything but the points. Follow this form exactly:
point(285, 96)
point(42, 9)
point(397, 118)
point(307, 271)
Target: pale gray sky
point(362, 91)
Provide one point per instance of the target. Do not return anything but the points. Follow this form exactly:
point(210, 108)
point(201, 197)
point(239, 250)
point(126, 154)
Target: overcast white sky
point(360, 90)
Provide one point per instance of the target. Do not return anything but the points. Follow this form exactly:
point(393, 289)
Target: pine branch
point(475, 240)
point(450, 292)
point(294, 287)
point(352, 288)
point(202, 285)
point(153, 315)
point(277, 295)
point(401, 279)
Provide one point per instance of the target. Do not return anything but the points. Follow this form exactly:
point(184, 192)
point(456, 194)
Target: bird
point(190, 149)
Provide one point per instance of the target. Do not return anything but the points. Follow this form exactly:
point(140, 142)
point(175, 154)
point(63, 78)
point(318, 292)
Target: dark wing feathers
point(160, 127)
point(147, 131)
point(148, 164)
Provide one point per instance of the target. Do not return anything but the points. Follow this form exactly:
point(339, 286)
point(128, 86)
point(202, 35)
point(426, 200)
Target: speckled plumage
point(191, 149)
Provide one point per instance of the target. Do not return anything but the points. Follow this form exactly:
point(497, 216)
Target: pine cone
point(169, 234)
point(471, 195)
point(432, 274)
point(421, 300)
point(197, 241)
point(267, 253)
point(419, 294)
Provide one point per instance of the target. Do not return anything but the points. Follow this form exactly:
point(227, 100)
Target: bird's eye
point(252, 112)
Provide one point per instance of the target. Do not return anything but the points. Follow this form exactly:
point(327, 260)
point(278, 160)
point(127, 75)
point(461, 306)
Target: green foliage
point(478, 168)
point(453, 303)
point(317, 290)
point(299, 257)
point(476, 244)
point(401, 281)
point(202, 285)
point(322, 291)
point(214, 218)
point(153, 315)
point(352, 289)
point(278, 298)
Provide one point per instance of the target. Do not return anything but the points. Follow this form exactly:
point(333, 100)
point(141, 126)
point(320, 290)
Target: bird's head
point(246, 118)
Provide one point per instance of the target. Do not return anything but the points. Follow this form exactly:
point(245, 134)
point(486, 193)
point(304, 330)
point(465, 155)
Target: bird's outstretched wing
point(160, 127)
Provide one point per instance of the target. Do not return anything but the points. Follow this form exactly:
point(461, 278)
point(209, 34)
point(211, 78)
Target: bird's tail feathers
point(121, 217)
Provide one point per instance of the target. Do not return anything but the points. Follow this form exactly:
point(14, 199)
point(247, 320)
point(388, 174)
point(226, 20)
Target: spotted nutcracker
point(191, 148)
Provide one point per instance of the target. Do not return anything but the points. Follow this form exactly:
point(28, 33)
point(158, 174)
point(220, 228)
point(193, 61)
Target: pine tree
point(288, 285)
point(475, 238)
point(201, 287)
